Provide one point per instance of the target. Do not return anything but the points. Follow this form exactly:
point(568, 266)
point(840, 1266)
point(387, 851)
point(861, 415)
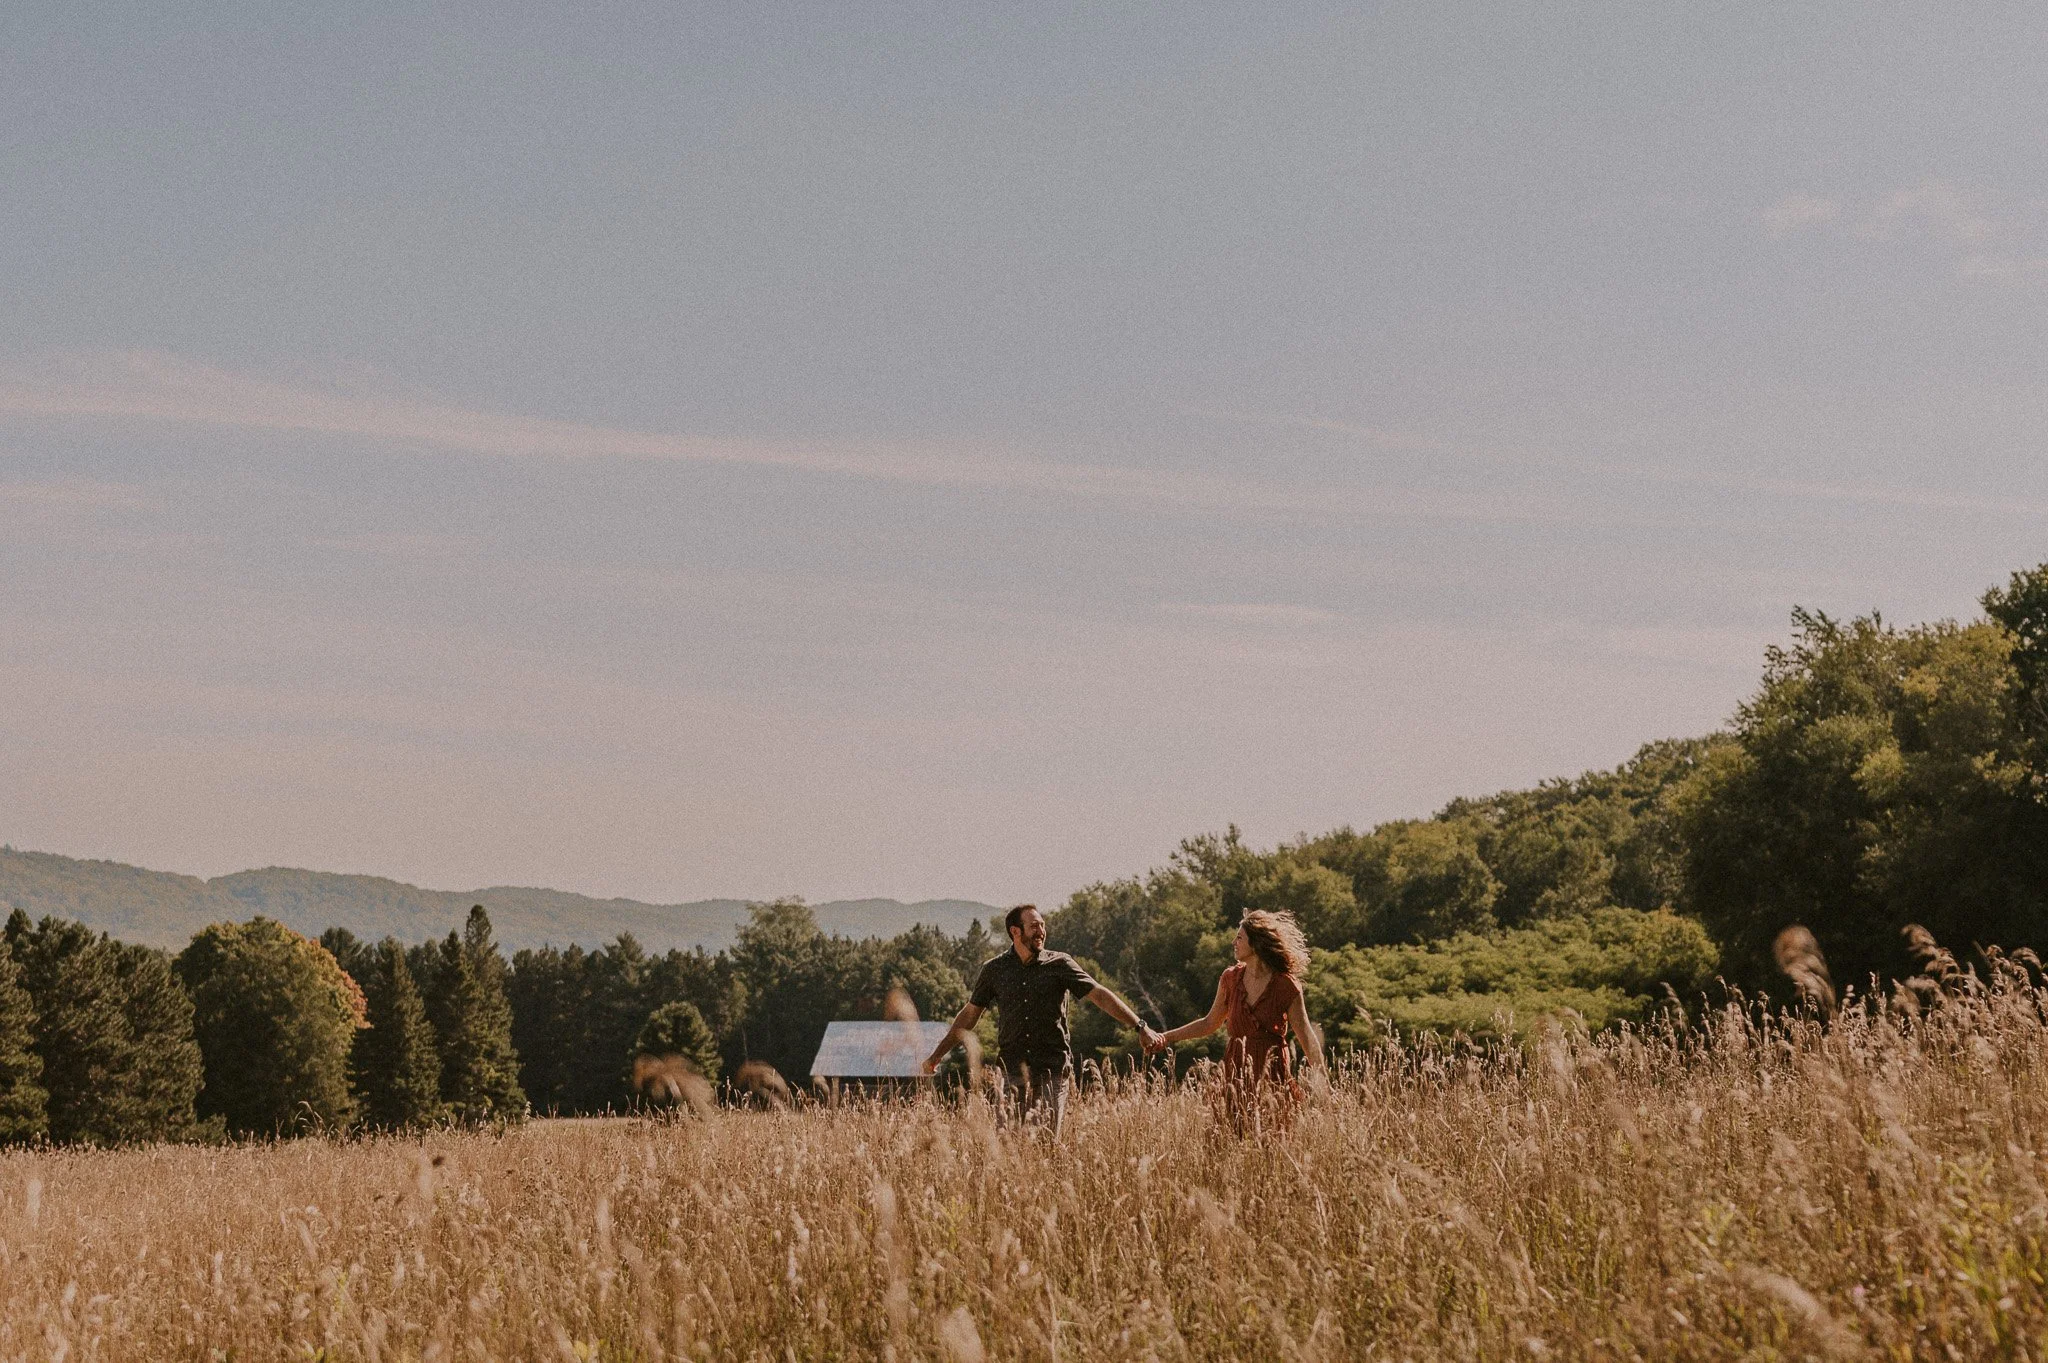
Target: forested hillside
point(1881, 777)
point(160, 909)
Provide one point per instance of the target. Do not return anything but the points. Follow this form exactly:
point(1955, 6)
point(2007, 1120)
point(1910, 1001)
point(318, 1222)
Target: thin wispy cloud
point(438, 688)
point(1990, 241)
point(2016, 268)
point(1260, 614)
point(1674, 475)
point(1932, 210)
point(75, 494)
point(63, 509)
point(1377, 435)
point(156, 386)
point(1796, 211)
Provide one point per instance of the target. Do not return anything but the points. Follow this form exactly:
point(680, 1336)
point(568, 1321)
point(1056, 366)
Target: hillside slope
point(163, 909)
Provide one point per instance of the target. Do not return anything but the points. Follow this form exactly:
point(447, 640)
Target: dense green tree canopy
point(1880, 777)
point(677, 1029)
point(1560, 853)
point(276, 1018)
point(24, 1103)
point(159, 1098)
point(576, 1014)
point(2020, 608)
point(352, 954)
point(1605, 966)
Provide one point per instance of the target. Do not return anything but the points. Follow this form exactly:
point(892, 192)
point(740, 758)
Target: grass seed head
point(1798, 956)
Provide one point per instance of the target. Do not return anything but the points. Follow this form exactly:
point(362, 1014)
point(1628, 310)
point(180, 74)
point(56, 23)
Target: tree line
point(255, 1030)
point(252, 1029)
point(1880, 777)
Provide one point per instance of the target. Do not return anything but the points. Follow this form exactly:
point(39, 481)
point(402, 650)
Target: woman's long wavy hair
point(1276, 939)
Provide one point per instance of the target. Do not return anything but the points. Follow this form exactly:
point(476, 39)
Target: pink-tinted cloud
point(155, 386)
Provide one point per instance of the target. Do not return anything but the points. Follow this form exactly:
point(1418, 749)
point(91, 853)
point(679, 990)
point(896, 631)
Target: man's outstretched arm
point(1122, 1012)
point(963, 1023)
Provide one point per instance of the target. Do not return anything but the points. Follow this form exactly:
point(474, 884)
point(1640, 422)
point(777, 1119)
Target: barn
point(880, 1055)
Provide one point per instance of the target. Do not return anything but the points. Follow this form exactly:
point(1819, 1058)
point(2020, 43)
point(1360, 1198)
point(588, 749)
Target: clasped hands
point(1153, 1042)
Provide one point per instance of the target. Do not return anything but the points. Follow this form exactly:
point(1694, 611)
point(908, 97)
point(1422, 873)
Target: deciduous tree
point(276, 1019)
point(1881, 776)
point(678, 1029)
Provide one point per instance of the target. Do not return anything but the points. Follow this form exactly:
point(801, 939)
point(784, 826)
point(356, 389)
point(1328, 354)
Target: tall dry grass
point(1747, 1188)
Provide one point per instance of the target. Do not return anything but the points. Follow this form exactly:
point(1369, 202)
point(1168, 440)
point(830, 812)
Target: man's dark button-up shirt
point(1031, 1007)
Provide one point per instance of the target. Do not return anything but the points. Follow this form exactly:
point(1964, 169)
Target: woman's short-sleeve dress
point(1258, 1065)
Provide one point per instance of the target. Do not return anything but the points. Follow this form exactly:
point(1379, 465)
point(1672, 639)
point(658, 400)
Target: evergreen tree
point(113, 1031)
point(351, 953)
point(473, 1022)
point(546, 990)
point(396, 1064)
point(575, 1012)
point(158, 1094)
point(437, 969)
point(698, 977)
point(24, 1105)
point(276, 1018)
point(81, 1034)
point(971, 948)
point(616, 1005)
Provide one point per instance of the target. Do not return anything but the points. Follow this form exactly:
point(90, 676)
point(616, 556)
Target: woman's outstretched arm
point(1305, 1032)
point(1201, 1026)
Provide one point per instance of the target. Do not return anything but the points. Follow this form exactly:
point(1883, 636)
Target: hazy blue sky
point(841, 449)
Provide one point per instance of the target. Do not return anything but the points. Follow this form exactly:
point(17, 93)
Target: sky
point(675, 450)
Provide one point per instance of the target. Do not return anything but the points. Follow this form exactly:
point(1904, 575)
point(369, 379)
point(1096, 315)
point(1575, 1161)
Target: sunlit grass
point(1741, 1189)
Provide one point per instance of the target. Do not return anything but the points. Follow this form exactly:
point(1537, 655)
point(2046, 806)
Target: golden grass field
point(1873, 1189)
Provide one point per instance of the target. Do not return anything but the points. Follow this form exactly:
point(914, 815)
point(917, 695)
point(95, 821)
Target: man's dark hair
point(1015, 916)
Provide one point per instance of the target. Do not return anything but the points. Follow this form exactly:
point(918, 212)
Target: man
point(1028, 987)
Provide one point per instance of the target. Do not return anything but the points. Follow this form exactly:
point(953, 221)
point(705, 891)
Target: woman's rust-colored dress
point(1258, 1066)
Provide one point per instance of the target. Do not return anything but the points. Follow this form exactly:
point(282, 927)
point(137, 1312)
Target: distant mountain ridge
point(160, 908)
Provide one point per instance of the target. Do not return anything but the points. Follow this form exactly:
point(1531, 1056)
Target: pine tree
point(73, 979)
point(276, 1018)
point(546, 988)
point(350, 952)
point(113, 1031)
point(159, 1087)
point(396, 1063)
point(473, 1021)
point(24, 1105)
point(438, 968)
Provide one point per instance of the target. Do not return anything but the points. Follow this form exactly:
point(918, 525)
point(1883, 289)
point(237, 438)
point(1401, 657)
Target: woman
point(1258, 999)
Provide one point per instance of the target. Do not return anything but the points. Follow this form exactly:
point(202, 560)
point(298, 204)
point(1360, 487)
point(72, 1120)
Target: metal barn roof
point(875, 1050)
